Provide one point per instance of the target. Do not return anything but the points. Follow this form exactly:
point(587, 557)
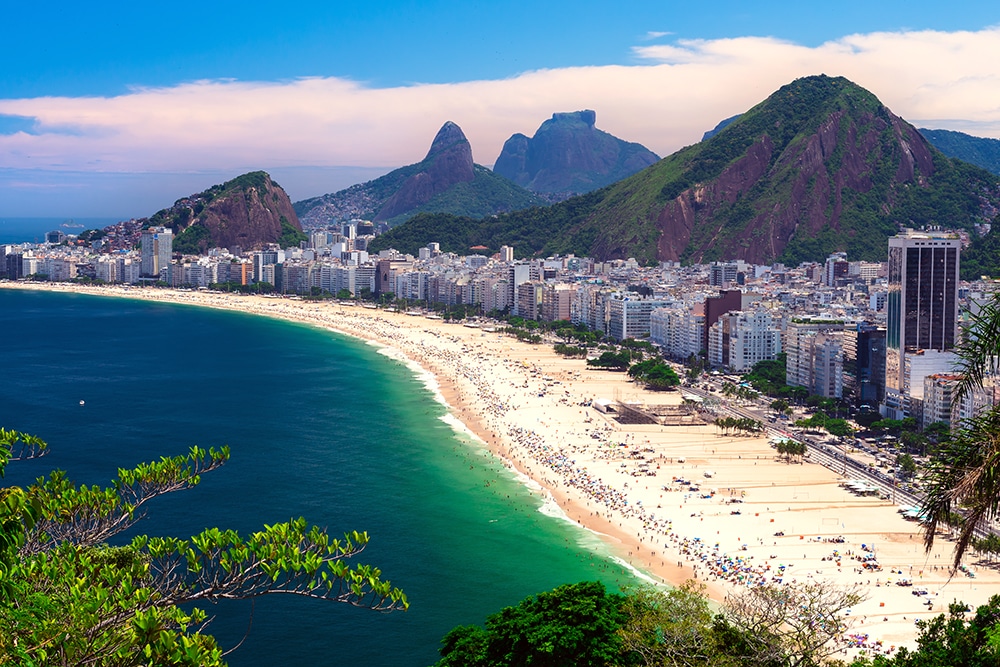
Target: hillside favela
point(737, 405)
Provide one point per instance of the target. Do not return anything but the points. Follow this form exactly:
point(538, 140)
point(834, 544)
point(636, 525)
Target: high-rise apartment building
point(628, 314)
point(870, 365)
point(922, 313)
point(157, 246)
point(815, 356)
point(836, 269)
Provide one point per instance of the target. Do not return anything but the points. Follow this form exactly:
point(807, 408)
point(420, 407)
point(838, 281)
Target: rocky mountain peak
point(449, 136)
point(445, 181)
point(587, 117)
point(820, 165)
point(569, 155)
point(448, 162)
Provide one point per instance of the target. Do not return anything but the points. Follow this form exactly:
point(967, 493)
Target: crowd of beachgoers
point(676, 502)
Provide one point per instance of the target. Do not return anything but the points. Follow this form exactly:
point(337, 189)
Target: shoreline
point(527, 406)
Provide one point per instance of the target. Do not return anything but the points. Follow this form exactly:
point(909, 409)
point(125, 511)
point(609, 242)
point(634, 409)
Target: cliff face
point(448, 162)
point(569, 155)
point(807, 191)
point(249, 211)
point(819, 166)
point(513, 160)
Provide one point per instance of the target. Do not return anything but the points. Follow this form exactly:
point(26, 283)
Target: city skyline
point(119, 112)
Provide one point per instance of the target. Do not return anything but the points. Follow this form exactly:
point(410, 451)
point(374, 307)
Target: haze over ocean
point(32, 230)
point(321, 426)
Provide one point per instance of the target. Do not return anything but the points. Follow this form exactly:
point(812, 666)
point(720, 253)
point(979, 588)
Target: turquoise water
point(320, 426)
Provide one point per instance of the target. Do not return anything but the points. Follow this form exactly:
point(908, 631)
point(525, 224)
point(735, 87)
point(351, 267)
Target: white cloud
point(677, 92)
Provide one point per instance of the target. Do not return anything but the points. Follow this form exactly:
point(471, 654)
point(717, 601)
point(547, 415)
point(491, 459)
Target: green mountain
point(719, 128)
point(445, 181)
point(568, 155)
point(819, 166)
point(979, 151)
point(249, 211)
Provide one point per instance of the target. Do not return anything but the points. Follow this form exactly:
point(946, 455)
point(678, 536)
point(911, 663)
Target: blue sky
point(117, 109)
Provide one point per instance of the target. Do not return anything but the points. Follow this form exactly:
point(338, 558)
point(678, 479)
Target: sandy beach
point(756, 519)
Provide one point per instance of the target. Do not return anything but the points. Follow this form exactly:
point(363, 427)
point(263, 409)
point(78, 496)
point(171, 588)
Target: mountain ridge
point(445, 180)
point(820, 165)
point(980, 151)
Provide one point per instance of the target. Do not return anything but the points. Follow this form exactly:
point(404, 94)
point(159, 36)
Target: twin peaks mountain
point(819, 166)
point(568, 155)
point(446, 180)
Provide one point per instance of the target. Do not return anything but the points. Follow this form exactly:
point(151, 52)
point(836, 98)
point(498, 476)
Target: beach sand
point(756, 519)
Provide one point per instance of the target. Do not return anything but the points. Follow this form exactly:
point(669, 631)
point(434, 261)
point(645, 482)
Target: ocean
point(321, 426)
point(33, 230)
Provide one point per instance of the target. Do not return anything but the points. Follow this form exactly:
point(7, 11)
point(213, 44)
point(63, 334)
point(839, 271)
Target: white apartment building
point(412, 285)
point(495, 295)
point(739, 339)
point(364, 277)
point(58, 269)
point(918, 365)
point(753, 336)
point(828, 366)
point(938, 398)
point(628, 314)
point(678, 331)
point(815, 357)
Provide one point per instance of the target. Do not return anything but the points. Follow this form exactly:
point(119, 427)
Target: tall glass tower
point(922, 306)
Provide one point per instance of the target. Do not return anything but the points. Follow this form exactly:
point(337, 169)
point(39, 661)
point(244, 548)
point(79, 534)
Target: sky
point(115, 109)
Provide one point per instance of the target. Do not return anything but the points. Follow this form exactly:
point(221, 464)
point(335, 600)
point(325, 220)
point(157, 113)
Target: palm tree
point(965, 476)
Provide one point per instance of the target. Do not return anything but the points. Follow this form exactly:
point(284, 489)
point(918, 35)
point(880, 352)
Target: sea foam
point(422, 375)
point(586, 538)
point(637, 573)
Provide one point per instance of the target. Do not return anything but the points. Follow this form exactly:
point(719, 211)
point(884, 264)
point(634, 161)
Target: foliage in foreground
point(963, 482)
point(950, 640)
point(67, 598)
point(584, 625)
point(769, 626)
